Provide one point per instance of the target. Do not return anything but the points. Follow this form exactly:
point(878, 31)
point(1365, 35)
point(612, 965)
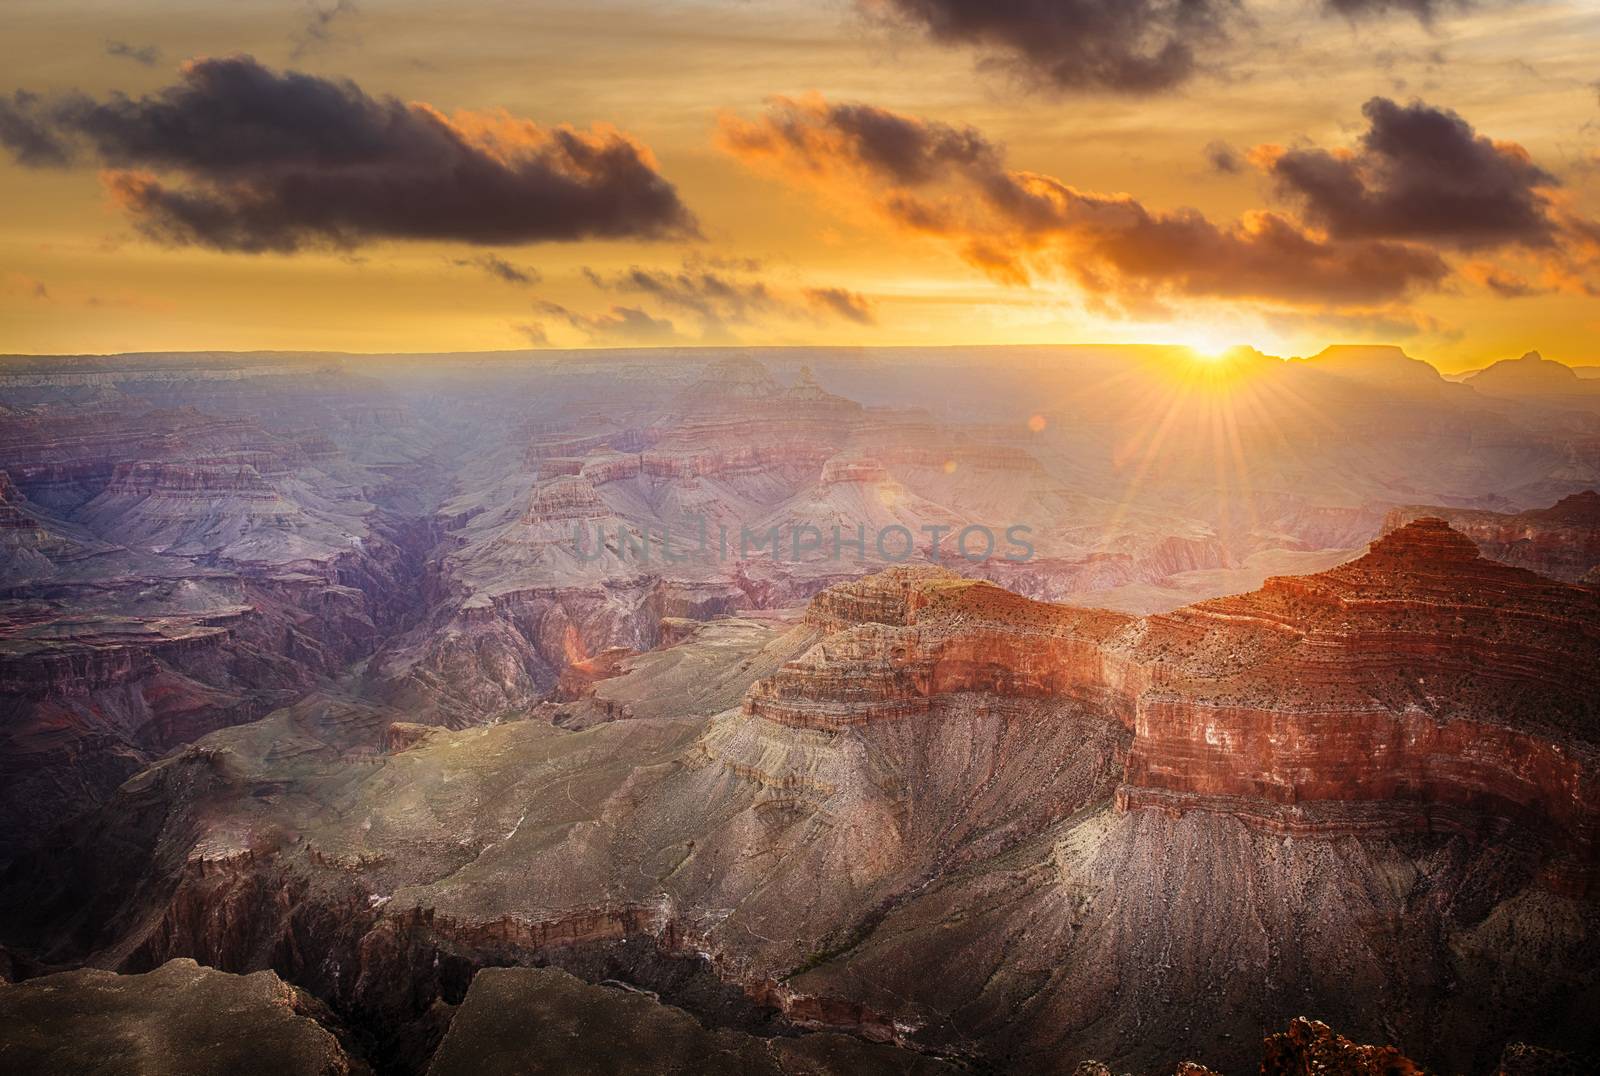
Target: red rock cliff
point(1421, 686)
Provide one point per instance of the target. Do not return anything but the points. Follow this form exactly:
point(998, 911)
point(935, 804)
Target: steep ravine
point(190, 646)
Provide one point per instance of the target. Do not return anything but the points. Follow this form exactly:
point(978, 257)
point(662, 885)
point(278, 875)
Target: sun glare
point(1211, 365)
point(1206, 344)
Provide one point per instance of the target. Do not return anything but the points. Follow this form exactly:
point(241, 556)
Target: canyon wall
point(1419, 687)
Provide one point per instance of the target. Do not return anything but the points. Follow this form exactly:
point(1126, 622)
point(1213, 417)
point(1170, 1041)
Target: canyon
point(1109, 821)
point(1561, 541)
point(273, 1028)
point(408, 679)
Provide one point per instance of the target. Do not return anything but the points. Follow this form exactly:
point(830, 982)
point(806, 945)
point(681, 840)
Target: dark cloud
point(1421, 173)
point(1424, 10)
point(620, 326)
point(500, 269)
point(1224, 158)
point(849, 305)
point(718, 294)
point(904, 148)
point(318, 29)
point(1508, 286)
point(276, 162)
point(1126, 46)
point(1122, 46)
point(29, 134)
point(148, 55)
point(714, 297)
point(952, 184)
point(1503, 282)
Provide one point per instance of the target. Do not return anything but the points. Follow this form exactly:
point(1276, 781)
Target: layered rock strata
point(1419, 686)
point(1562, 541)
point(941, 814)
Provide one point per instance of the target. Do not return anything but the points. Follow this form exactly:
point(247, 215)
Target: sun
point(1206, 344)
point(1210, 361)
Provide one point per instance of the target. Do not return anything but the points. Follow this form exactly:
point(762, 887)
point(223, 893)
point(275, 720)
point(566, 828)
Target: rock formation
point(943, 815)
point(169, 572)
point(180, 1019)
point(526, 1021)
point(1531, 375)
point(1420, 678)
point(1562, 541)
point(518, 1021)
point(1311, 1046)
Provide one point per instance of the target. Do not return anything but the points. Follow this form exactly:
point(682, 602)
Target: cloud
point(318, 29)
point(22, 284)
point(952, 184)
point(698, 260)
point(1125, 46)
point(500, 269)
point(1390, 323)
point(148, 55)
point(621, 326)
point(279, 162)
point(1224, 158)
point(1503, 282)
point(533, 332)
point(1424, 10)
point(1121, 46)
point(717, 293)
point(716, 298)
point(849, 305)
point(30, 136)
point(1420, 173)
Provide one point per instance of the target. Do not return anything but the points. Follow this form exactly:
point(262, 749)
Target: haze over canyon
point(1289, 710)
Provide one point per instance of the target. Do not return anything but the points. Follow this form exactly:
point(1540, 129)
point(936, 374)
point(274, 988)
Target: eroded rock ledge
point(1421, 686)
point(178, 1020)
point(1562, 541)
point(519, 1021)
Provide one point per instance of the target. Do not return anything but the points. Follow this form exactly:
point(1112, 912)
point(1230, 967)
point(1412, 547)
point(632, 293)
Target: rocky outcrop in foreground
point(533, 1021)
point(179, 1020)
point(185, 1020)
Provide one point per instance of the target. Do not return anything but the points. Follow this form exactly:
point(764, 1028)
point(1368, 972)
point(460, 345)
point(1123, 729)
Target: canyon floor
point(308, 676)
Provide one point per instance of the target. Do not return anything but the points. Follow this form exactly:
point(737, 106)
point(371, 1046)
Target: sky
point(392, 175)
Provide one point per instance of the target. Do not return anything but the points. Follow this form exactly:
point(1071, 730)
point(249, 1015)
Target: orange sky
point(77, 276)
